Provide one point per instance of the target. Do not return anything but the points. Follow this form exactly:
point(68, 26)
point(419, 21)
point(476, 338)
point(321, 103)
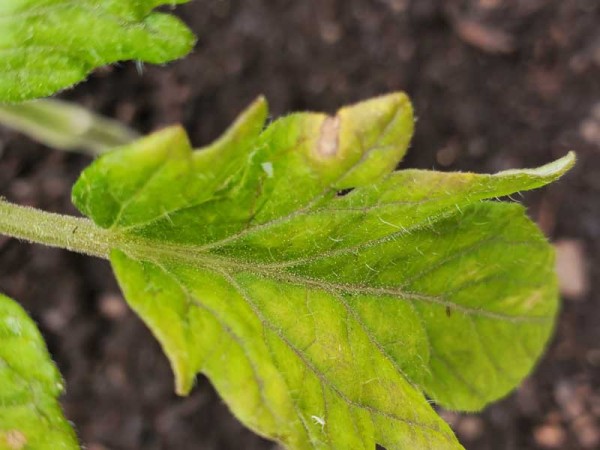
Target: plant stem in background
point(66, 126)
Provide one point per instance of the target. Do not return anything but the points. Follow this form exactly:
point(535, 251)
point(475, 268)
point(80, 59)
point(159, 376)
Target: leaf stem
point(55, 230)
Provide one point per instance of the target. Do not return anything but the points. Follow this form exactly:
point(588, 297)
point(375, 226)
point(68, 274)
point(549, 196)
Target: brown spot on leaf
point(15, 440)
point(329, 139)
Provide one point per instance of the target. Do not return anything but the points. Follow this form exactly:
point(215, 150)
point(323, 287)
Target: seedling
point(326, 296)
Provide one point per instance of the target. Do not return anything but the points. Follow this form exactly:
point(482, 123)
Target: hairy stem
point(66, 126)
point(55, 230)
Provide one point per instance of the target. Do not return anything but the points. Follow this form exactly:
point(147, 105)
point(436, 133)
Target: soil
point(496, 84)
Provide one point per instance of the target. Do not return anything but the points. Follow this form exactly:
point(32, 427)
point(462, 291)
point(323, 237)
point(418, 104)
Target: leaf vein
point(319, 375)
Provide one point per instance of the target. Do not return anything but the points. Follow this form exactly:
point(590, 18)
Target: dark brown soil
point(496, 84)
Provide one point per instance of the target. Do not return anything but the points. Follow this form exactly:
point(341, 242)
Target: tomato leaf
point(30, 416)
point(324, 317)
point(49, 45)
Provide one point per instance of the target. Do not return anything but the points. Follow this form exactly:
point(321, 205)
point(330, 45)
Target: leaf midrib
point(146, 249)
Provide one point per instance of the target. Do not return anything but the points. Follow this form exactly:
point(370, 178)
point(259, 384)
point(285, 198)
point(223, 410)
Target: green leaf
point(30, 416)
point(49, 45)
point(324, 317)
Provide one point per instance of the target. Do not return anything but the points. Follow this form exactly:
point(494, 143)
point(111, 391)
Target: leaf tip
point(183, 384)
point(558, 168)
point(259, 107)
point(545, 174)
point(566, 163)
point(381, 128)
point(166, 139)
point(395, 100)
point(175, 132)
point(252, 119)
